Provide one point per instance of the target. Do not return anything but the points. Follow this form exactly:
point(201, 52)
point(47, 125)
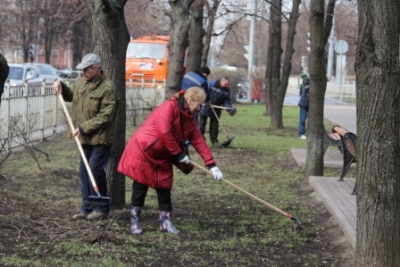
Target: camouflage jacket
point(94, 109)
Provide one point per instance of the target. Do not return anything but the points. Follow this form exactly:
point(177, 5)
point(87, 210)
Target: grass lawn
point(219, 225)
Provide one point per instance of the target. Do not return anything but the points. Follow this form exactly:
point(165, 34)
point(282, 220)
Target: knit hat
point(205, 70)
point(89, 60)
point(304, 75)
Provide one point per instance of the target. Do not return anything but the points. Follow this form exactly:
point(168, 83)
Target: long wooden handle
point(79, 145)
point(214, 106)
point(215, 114)
point(244, 191)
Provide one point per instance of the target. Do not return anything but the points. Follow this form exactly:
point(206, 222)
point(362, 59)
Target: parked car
point(34, 73)
point(19, 72)
point(69, 73)
point(47, 72)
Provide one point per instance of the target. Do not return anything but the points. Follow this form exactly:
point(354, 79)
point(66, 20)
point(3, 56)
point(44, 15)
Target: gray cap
point(89, 60)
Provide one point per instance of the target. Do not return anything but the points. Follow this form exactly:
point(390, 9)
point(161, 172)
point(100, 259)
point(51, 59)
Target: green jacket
point(94, 109)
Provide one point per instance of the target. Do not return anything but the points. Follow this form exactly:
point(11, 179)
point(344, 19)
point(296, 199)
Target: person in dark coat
point(150, 152)
point(197, 78)
point(219, 95)
point(303, 104)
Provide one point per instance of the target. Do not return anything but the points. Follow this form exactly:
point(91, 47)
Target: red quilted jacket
point(147, 158)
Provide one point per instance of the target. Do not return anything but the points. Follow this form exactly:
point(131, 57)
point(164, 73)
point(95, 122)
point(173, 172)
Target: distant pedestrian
point(303, 104)
point(94, 108)
point(256, 93)
point(219, 95)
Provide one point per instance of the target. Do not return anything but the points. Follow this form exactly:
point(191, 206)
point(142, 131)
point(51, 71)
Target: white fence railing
point(33, 112)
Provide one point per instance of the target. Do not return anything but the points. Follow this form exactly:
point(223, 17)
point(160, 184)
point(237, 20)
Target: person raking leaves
point(158, 144)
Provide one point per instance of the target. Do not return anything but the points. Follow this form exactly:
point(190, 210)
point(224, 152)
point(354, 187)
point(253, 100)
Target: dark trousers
point(97, 156)
point(139, 192)
point(214, 124)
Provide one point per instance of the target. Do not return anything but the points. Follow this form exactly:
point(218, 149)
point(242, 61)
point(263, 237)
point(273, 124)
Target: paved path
point(332, 158)
point(335, 195)
point(343, 115)
point(337, 198)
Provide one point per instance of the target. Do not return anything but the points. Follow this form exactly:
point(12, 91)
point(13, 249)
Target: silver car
point(21, 72)
point(34, 73)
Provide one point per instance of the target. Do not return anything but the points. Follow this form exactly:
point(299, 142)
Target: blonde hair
point(195, 93)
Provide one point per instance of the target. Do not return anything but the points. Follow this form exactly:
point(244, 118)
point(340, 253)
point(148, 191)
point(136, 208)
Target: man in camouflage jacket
point(94, 107)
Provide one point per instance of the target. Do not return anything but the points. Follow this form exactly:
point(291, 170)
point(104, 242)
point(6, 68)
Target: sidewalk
point(335, 195)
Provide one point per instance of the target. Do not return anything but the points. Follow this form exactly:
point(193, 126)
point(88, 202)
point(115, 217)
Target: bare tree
point(24, 21)
point(315, 125)
point(145, 18)
point(21, 132)
point(6, 137)
point(110, 40)
point(277, 94)
point(273, 66)
point(178, 42)
point(211, 15)
point(196, 35)
point(378, 123)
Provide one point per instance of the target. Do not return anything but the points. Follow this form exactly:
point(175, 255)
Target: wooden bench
point(349, 151)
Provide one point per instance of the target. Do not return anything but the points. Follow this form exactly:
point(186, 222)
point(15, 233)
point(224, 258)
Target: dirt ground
point(35, 211)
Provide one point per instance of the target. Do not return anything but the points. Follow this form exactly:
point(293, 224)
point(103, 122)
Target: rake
point(297, 224)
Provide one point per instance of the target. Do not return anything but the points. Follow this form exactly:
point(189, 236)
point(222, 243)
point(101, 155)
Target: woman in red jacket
point(149, 154)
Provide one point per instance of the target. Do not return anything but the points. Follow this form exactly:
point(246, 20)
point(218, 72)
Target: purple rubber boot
point(135, 226)
point(165, 223)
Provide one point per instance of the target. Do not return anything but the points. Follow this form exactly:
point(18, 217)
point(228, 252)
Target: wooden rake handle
point(244, 191)
point(79, 145)
point(214, 106)
point(219, 121)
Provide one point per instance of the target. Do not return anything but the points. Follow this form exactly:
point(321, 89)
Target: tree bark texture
point(211, 13)
point(78, 40)
point(178, 42)
point(196, 34)
point(273, 71)
point(4, 69)
point(279, 95)
point(329, 19)
point(315, 124)
point(110, 40)
point(268, 74)
point(378, 155)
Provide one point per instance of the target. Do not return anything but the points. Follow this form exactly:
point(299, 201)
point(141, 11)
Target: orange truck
point(147, 61)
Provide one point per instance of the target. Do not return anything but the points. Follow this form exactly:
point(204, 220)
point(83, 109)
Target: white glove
point(185, 160)
point(216, 173)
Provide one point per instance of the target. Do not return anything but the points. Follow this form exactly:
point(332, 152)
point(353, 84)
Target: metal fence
point(32, 113)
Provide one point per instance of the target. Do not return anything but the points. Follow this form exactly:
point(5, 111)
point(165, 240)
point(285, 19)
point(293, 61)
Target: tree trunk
point(378, 154)
point(268, 75)
point(211, 13)
point(48, 40)
point(196, 35)
point(4, 69)
point(330, 9)
point(178, 42)
point(78, 42)
point(110, 40)
point(315, 124)
point(279, 95)
point(274, 52)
